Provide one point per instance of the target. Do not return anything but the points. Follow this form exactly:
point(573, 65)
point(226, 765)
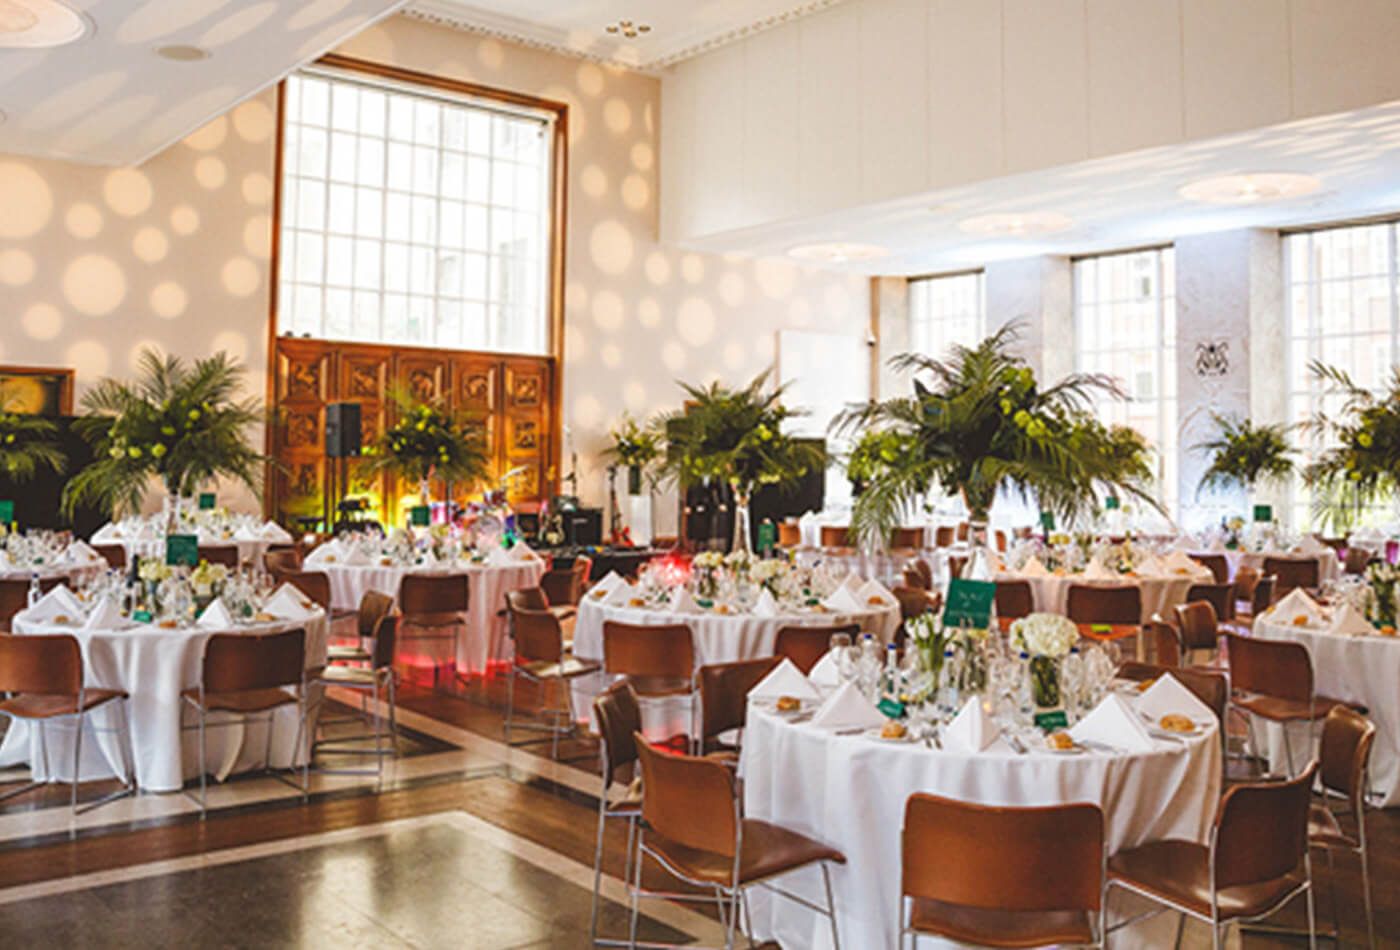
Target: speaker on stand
point(342, 442)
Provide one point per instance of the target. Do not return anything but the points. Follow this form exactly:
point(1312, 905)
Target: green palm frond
point(427, 441)
point(1245, 454)
point(29, 445)
point(1361, 465)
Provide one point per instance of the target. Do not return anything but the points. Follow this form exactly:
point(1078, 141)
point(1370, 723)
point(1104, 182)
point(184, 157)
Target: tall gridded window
point(413, 217)
point(1343, 310)
point(1125, 327)
point(946, 310)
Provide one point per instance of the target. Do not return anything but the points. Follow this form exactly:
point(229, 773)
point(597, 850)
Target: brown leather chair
point(834, 536)
point(693, 827)
point(789, 535)
point(907, 538)
point(246, 677)
point(1357, 560)
point(565, 588)
point(541, 658)
point(956, 563)
point(279, 562)
point(1256, 860)
point(535, 598)
point(14, 597)
point(657, 660)
point(225, 554)
point(1200, 630)
point(1218, 566)
point(1210, 687)
point(1165, 640)
point(1347, 737)
point(374, 679)
point(374, 607)
point(1220, 596)
point(922, 571)
point(1246, 582)
point(113, 554)
point(944, 536)
point(435, 603)
point(619, 719)
point(1106, 612)
point(1014, 600)
point(1292, 572)
point(1042, 884)
point(964, 530)
point(42, 682)
point(804, 646)
point(724, 697)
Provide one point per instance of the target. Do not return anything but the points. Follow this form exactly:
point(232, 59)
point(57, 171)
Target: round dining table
point(1329, 568)
point(1160, 592)
point(147, 539)
point(850, 792)
point(153, 664)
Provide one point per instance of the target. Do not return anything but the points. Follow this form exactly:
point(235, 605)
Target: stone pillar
point(889, 326)
point(1037, 293)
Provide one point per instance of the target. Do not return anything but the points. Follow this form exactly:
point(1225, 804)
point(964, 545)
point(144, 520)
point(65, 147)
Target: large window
point(1125, 327)
point(1343, 310)
point(414, 216)
point(944, 311)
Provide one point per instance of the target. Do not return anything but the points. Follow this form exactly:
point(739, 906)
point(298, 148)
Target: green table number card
point(1111, 503)
point(969, 604)
point(1263, 512)
point(767, 537)
point(418, 516)
point(182, 549)
point(1050, 720)
point(206, 501)
point(7, 512)
point(1047, 520)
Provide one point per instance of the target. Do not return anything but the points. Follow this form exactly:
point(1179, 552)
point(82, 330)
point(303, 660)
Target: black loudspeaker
point(584, 527)
point(777, 502)
point(343, 430)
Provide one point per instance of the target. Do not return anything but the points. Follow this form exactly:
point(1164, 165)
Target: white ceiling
point(679, 28)
point(1121, 201)
point(108, 99)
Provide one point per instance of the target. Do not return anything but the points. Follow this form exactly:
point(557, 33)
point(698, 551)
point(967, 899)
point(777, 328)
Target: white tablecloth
point(850, 791)
point(1363, 670)
point(1329, 568)
point(484, 637)
point(153, 665)
point(148, 540)
point(1159, 593)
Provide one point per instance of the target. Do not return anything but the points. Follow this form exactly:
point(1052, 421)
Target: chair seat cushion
point(565, 668)
point(245, 700)
point(348, 676)
point(438, 619)
point(660, 685)
point(1177, 871)
point(1324, 831)
point(43, 706)
point(1000, 928)
point(1278, 709)
point(345, 653)
point(769, 850)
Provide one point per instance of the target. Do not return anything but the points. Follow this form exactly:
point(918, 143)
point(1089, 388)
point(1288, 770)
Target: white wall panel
point(964, 88)
point(1134, 74)
point(718, 149)
point(1046, 76)
point(1344, 52)
point(1235, 72)
point(829, 111)
point(772, 66)
point(893, 98)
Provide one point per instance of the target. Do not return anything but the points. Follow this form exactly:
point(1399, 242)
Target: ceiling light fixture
point(37, 24)
point(837, 252)
point(183, 54)
point(628, 29)
point(1016, 224)
point(1251, 188)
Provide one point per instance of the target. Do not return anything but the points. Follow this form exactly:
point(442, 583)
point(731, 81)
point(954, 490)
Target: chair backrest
point(1218, 566)
point(1263, 595)
point(1219, 596)
point(386, 638)
point(688, 800)
point(225, 554)
point(314, 584)
point(1270, 667)
point(1210, 687)
point(1014, 599)
point(834, 536)
point(1046, 858)
point(113, 554)
point(1261, 830)
point(956, 562)
point(280, 561)
point(536, 633)
point(527, 598)
point(14, 597)
point(913, 601)
point(1347, 737)
point(1291, 572)
point(964, 530)
point(50, 665)
point(663, 651)
point(925, 572)
point(789, 535)
point(374, 607)
point(424, 594)
point(907, 538)
point(804, 646)
point(944, 535)
point(1199, 627)
point(238, 661)
point(724, 693)
point(619, 719)
point(1166, 642)
point(1246, 580)
point(1118, 605)
point(1356, 560)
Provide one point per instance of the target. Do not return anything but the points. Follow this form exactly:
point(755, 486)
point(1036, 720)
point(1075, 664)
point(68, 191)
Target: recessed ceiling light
point(183, 54)
point(1016, 224)
point(837, 252)
point(36, 24)
point(628, 28)
point(1250, 188)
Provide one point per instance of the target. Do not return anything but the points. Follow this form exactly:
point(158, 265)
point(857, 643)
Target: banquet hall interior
point(773, 473)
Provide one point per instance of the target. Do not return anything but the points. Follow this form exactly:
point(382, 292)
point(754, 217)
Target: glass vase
point(743, 537)
point(981, 559)
point(1045, 681)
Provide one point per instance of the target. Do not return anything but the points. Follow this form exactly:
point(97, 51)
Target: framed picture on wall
point(36, 391)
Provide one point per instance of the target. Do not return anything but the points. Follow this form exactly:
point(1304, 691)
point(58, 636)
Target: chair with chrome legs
point(619, 718)
point(659, 661)
point(1042, 884)
point(804, 646)
point(1107, 612)
point(724, 695)
point(693, 828)
point(371, 681)
point(251, 677)
point(41, 681)
point(1347, 737)
point(374, 607)
point(540, 658)
point(433, 603)
point(1256, 861)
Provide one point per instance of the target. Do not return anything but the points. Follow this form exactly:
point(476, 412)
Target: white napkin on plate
point(1150, 566)
point(288, 603)
point(848, 709)
point(106, 534)
point(1179, 562)
point(1112, 723)
point(355, 556)
point(873, 590)
point(683, 603)
point(328, 553)
point(851, 582)
point(247, 533)
point(826, 673)
point(1167, 696)
point(106, 616)
point(620, 595)
point(216, 615)
point(1347, 621)
point(766, 605)
point(1033, 567)
point(1294, 605)
point(429, 558)
point(1097, 572)
point(605, 586)
point(972, 729)
point(80, 552)
point(842, 601)
point(785, 680)
point(59, 602)
point(274, 532)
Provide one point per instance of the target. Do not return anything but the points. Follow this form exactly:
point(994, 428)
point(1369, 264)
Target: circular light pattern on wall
point(491, 54)
point(1016, 224)
point(88, 358)
point(210, 136)
point(732, 289)
point(26, 203)
point(94, 285)
point(634, 395)
point(617, 115)
point(233, 343)
point(150, 245)
point(608, 311)
point(128, 192)
point(642, 157)
point(257, 189)
point(673, 356)
point(1252, 188)
point(39, 24)
point(836, 252)
point(253, 121)
point(184, 220)
point(692, 268)
point(657, 268)
point(649, 312)
point(590, 79)
point(16, 268)
point(83, 220)
point(168, 300)
point(695, 321)
point(210, 172)
point(257, 236)
point(636, 193)
point(610, 247)
point(611, 355)
point(241, 277)
point(42, 321)
point(594, 181)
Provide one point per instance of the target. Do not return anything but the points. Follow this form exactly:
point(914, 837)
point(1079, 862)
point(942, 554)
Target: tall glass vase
point(743, 537)
point(981, 559)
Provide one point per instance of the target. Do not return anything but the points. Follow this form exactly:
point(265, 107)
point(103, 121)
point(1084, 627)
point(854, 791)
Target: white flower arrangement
point(1044, 634)
point(153, 570)
point(708, 560)
point(738, 561)
point(768, 570)
point(207, 579)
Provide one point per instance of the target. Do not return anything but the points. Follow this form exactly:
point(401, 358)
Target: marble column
point(1037, 293)
point(889, 325)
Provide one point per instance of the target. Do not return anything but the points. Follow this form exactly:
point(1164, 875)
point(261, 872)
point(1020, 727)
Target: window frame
point(980, 331)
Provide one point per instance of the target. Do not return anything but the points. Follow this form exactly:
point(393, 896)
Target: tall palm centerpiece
point(735, 436)
point(28, 444)
point(981, 424)
point(636, 446)
point(1362, 465)
point(1245, 455)
point(429, 441)
point(177, 422)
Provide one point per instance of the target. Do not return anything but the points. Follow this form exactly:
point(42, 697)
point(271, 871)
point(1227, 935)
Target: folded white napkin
point(873, 590)
point(766, 605)
point(848, 709)
point(1150, 566)
point(1033, 567)
point(972, 729)
point(1097, 572)
point(605, 586)
point(59, 602)
point(1112, 723)
point(826, 673)
point(683, 603)
point(80, 552)
point(852, 582)
point(288, 603)
point(1294, 605)
point(247, 533)
point(1349, 622)
point(216, 616)
point(785, 680)
point(1183, 543)
point(355, 556)
point(619, 595)
point(106, 616)
point(328, 553)
point(274, 532)
point(106, 534)
point(842, 601)
point(499, 557)
point(1179, 562)
point(1167, 696)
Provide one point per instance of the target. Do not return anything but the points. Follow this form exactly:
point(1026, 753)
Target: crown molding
point(510, 29)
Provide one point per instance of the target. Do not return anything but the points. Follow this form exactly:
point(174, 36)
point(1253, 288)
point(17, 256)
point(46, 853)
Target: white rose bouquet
point(208, 579)
point(1044, 635)
point(770, 573)
point(708, 560)
point(153, 570)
